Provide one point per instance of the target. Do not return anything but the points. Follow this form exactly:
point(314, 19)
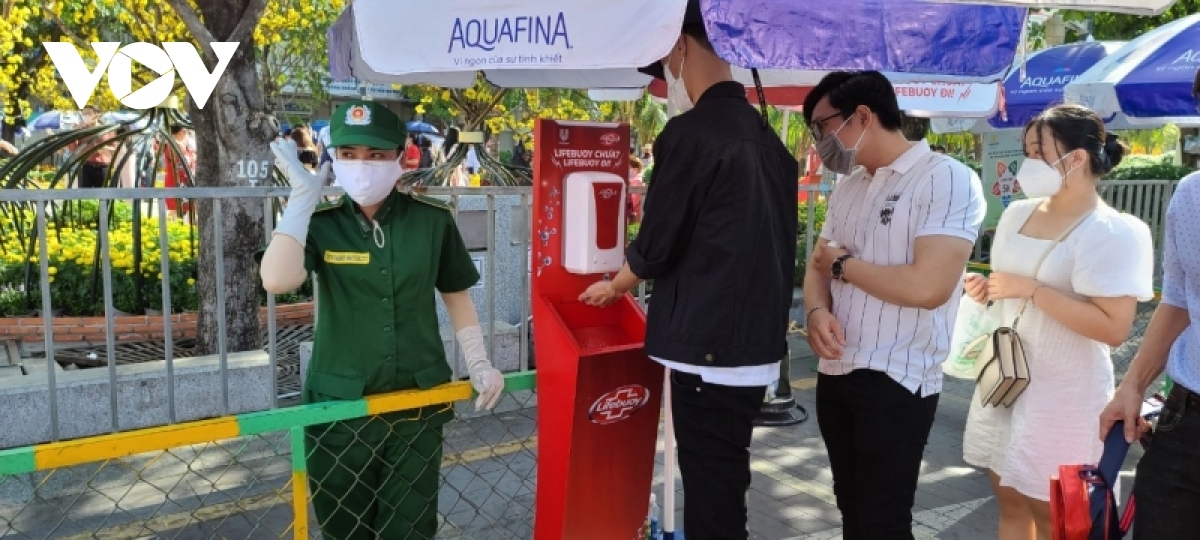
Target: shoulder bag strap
point(1036, 267)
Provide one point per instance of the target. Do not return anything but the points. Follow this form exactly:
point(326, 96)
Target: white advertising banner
point(965, 100)
point(468, 35)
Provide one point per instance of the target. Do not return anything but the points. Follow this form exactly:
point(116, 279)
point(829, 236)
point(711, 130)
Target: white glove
point(486, 380)
point(306, 190)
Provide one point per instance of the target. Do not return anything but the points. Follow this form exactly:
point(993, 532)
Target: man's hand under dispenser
point(604, 293)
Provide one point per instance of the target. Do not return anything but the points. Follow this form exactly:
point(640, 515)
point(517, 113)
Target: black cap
point(691, 15)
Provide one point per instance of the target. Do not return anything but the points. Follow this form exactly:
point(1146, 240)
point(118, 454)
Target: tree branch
point(79, 41)
point(191, 20)
point(245, 28)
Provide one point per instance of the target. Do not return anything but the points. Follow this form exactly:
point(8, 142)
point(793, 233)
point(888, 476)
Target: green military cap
point(366, 123)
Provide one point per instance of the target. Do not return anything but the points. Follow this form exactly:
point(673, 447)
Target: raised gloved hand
point(306, 190)
point(485, 379)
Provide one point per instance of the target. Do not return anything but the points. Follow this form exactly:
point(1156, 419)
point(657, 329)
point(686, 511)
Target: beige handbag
point(1004, 371)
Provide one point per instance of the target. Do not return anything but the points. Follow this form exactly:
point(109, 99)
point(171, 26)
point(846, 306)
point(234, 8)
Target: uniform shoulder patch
point(432, 201)
point(328, 205)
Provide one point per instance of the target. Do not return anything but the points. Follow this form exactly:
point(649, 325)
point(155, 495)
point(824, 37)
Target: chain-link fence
point(427, 470)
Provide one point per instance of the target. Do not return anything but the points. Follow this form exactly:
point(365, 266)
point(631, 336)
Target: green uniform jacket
point(377, 328)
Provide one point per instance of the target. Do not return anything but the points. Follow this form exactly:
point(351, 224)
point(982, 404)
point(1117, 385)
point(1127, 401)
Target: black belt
point(1182, 395)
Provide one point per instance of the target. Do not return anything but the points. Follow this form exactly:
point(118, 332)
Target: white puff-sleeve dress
point(1054, 421)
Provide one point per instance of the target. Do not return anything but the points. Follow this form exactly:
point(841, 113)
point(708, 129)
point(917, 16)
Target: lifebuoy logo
point(619, 404)
point(608, 193)
point(609, 139)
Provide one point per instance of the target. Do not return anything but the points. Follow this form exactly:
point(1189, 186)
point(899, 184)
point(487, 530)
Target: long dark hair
point(1076, 127)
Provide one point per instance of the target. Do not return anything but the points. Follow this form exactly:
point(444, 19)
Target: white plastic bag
point(974, 320)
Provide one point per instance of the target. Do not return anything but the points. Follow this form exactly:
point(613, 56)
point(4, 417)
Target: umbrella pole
point(668, 507)
point(783, 129)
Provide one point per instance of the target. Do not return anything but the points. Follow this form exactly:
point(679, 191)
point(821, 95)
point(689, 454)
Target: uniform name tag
point(345, 257)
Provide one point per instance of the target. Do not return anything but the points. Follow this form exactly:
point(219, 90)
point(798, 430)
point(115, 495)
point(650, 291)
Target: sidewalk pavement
point(490, 481)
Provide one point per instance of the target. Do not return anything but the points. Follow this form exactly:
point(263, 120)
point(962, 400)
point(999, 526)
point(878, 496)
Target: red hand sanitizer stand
point(599, 396)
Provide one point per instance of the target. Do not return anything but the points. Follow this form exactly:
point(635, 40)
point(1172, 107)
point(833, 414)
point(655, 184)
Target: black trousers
point(91, 175)
point(713, 425)
point(875, 431)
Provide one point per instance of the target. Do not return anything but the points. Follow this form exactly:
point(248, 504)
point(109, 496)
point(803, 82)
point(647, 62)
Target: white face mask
point(1039, 179)
point(678, 101)
point(367, 182)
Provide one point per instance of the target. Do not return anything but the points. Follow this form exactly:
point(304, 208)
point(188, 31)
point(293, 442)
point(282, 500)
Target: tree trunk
point(233, 127)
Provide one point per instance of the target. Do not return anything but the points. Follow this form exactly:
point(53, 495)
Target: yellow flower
point(52, 271)
point(191, 281)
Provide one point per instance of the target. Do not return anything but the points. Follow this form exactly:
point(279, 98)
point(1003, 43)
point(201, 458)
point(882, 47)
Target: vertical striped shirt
point(1181, 279)
point(878, 218)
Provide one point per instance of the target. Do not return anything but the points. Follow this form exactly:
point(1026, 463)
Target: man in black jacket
point(718, 238)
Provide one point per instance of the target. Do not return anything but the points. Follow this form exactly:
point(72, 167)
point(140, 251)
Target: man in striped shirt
point(881, 293)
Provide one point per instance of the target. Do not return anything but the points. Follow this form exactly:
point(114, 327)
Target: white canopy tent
point(600, 43)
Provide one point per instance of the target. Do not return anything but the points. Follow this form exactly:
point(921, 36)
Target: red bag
point(1082, 503)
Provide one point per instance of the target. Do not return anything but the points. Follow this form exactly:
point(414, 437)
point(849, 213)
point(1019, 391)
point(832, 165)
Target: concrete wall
point(511, 237)
point(83, 396)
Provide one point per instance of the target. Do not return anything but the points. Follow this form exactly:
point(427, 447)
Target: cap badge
point(358, 115)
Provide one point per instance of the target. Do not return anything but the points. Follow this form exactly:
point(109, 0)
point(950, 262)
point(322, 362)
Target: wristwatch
point(839, 267)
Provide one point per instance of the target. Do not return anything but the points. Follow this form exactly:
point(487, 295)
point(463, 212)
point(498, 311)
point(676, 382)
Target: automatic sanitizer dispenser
point(593, 222)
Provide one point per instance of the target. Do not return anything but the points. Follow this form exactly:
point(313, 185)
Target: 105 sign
point(117, 62)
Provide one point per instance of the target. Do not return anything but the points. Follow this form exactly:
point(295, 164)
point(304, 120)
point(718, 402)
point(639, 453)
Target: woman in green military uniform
point(379, 255)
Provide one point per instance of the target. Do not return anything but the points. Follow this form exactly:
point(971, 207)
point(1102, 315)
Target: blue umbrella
point(51, 120)
point(1148, 80)
point(421, 127)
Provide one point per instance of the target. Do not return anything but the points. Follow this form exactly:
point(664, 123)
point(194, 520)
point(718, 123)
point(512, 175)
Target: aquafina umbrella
point(1034, 86)
point(1149, 80)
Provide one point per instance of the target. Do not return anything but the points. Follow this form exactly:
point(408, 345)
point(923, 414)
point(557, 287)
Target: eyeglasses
point(818, 125)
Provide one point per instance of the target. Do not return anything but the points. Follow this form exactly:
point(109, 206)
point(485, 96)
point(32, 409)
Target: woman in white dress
point(1081, 302)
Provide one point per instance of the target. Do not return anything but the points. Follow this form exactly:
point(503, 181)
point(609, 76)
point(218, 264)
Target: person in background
point(323, 145)
point(94, 170)
point(412, 153)
point(178, 168)
point(1168, 475)
point(306, 151)
point(1081, 302)
point(378, 476)
point(881, 293)
point(719, 314)
point(519, 159)
point(633, 203)
point(428, 160)
point(647, 155)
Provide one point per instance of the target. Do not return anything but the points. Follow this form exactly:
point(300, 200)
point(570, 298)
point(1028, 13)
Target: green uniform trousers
point(375, 477)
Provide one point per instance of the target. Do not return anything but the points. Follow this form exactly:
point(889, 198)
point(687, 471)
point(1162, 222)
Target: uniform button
point(384, 271)
point(384, 299)
point(387, 329)
point(708, 358)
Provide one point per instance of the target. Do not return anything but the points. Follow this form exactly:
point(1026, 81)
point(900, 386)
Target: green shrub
point(802, 235)
point(1143, 167)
